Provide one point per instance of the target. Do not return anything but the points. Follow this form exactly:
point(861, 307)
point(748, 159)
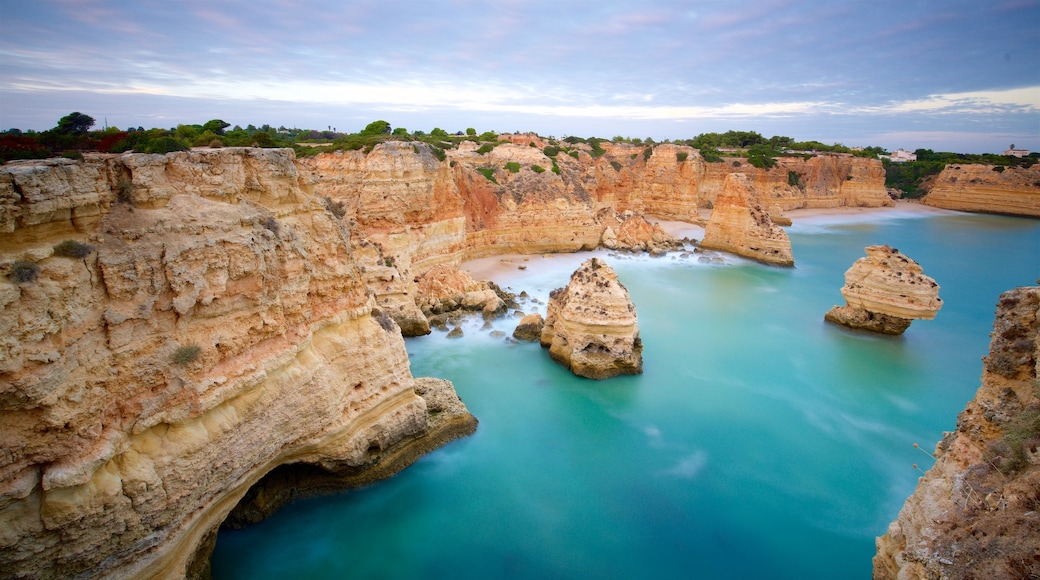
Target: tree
point(471, 132)
point(76, 123)
point(377, 128)
point(216, 126)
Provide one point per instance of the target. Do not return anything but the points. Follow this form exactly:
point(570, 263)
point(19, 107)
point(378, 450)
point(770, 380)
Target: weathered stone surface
point(118, 461)
point(974, 513)
point(985, 189)
point(738, 224)
point(633, 232)
point(530, 328)
point(591, 326)
point(884, 292)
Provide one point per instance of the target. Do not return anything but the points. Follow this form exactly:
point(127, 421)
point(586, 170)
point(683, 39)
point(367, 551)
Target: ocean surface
point(760, 441)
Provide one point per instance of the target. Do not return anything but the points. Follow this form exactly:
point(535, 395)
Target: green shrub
point(551, 151)
point(555, 167)
point(186, 354)
point(164, 145)
point(647, 153)
point(616, 166)
point(73, 249)
point(23, 272)
point(513, 167)
point(681, 156)
point(489, 173)
point(74, 155)
point(573, 154)
point(794, 179)
point(537, 169)
point(485, 148)
point(438, 153)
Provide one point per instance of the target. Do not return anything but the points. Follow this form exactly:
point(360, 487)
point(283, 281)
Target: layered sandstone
point(738, 224)
point(219, 328)
point(634, 233)
point(884, 292)
point(987, 189)
point(975, 513)
point(591, 326)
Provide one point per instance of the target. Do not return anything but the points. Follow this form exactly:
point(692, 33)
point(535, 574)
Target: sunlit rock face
point(738, 224)
point(217, 328)
point(974, 512)
point(884, 292)
point(591, 326)
point(987, 189)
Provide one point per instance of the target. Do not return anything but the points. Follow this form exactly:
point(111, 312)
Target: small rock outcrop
point(975, 513)
point(590, 325)
point(738, 224)
point(447, 289)
point(530, 328)
point(884, 292)
point(632, 232)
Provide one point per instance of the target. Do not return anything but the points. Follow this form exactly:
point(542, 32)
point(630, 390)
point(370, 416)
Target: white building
point(900, 156)
point(1012, 152)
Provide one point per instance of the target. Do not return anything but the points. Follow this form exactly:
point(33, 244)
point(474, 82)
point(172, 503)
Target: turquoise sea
point(760, 442)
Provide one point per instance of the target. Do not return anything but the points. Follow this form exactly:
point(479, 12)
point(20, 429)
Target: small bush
point(681, 156)
point(551, 151)
point(186, 354)
point(164, 145)
point(555, 168)
point(616, 166)
point(537, 169)
point(23, 272)
point(73, 249)
point(488, 173)
point(124, 190)
point(485, 148)
point(573, 154)
point(336, 208)
point(438, 153)
point(513, 167)
point(794, 179)
point(647, 153)
point(75, 155)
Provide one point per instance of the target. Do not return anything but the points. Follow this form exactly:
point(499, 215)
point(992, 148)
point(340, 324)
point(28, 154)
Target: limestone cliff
point(987, 189)
point(976, 512)
point(738, 224)
point(590, 324)
point(884, 292)
point(210, 325)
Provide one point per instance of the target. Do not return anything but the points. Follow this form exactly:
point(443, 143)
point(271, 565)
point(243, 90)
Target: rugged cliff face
point(984, 189)
point(738, 224)
point(217, 328)
point(976, 512)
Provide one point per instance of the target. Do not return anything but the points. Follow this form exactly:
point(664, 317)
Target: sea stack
point(740, 225)
point(884, 292)
point(590, 325)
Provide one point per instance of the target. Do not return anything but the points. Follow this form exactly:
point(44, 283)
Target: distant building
point(899, 156)
point(1012, 152)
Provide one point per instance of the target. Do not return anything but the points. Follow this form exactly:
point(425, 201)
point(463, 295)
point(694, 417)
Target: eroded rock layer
point(590, 324)
point(987, 189)
point(738, 224)
point(884, 292)
point(216, 327)
point(976, 511)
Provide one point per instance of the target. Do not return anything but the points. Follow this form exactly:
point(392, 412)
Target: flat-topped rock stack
point(884, 292)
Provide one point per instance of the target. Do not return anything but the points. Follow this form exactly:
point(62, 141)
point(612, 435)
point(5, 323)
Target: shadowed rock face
point(590, 325)
point(884, 292)
point(976, 512)
point(738, 224)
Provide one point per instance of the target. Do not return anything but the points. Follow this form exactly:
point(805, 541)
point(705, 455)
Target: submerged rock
point(590, 325)
point(884, 292)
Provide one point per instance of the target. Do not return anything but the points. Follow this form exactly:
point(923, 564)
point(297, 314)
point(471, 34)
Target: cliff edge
point(987, 189)
point(976, 512)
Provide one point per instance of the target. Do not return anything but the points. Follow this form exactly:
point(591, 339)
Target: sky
point(947, 75)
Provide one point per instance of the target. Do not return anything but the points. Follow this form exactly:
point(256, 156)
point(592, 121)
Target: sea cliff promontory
point(987, 189)
point(976, 511)
point(217, 316)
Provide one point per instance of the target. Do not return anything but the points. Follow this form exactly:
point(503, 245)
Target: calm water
point(759, 441)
